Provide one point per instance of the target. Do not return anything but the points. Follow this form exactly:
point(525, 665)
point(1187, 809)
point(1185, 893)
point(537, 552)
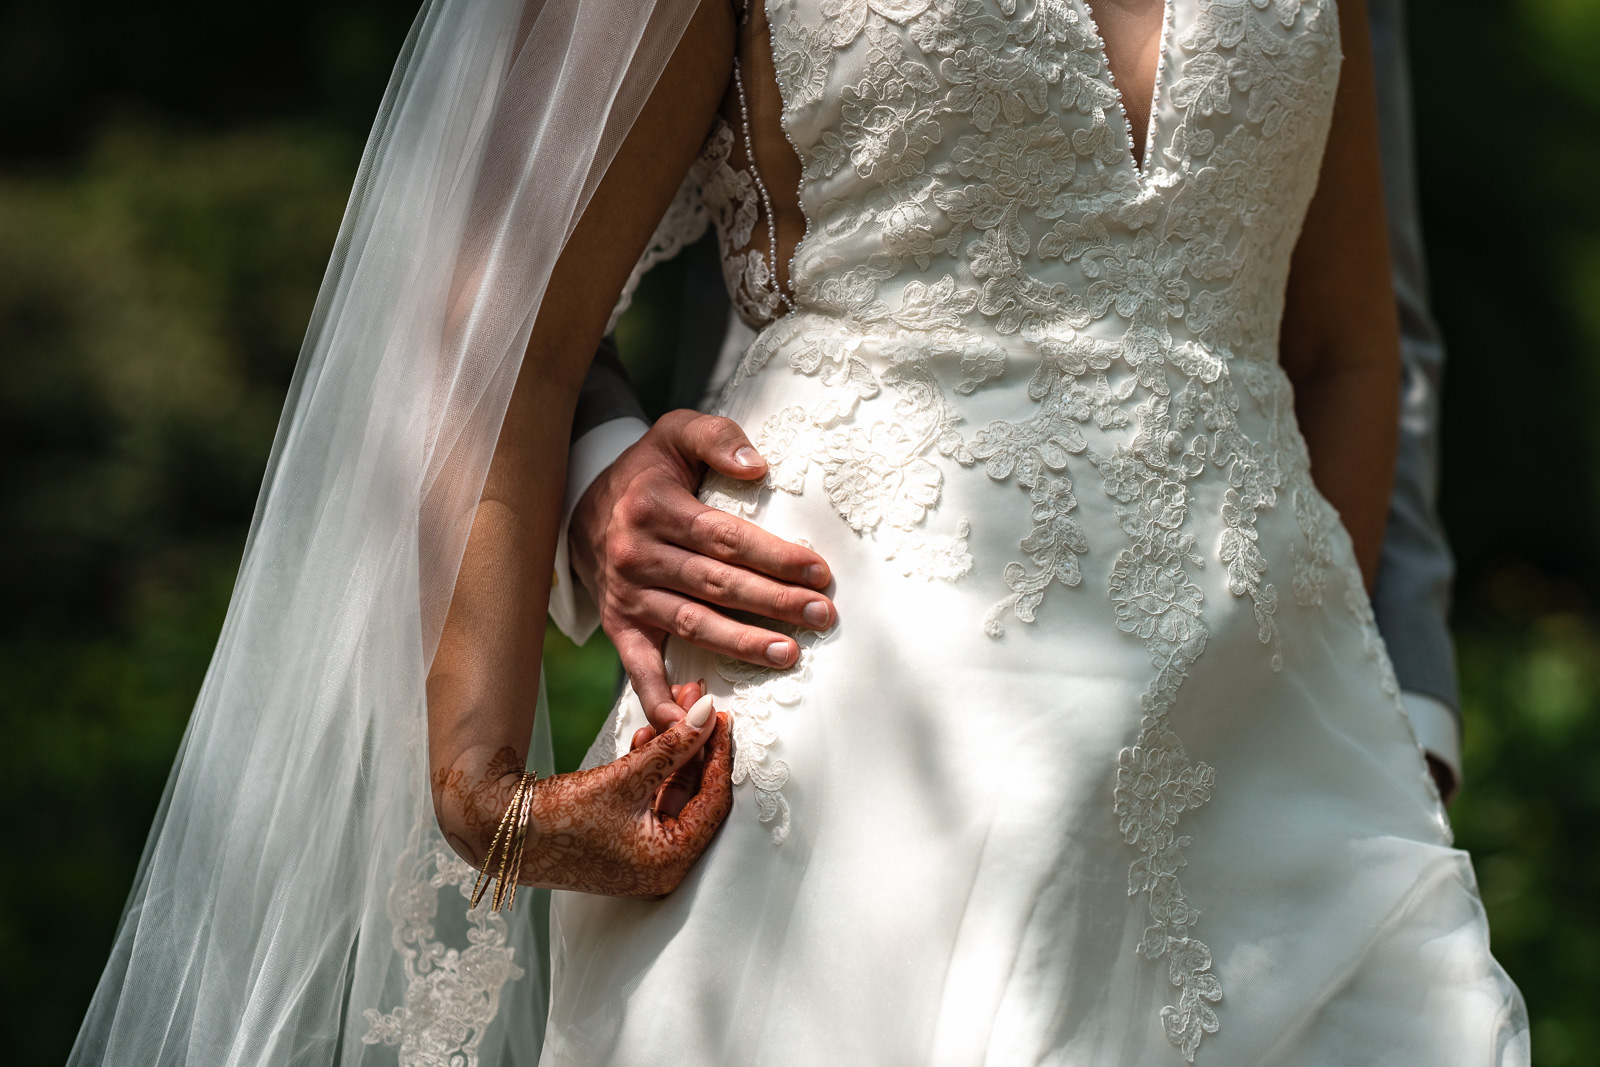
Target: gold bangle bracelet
point(506, 848)
point(507, 872)
point(521, 839)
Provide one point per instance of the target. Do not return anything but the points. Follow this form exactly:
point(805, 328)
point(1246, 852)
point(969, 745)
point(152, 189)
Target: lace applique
point(875, 476)
point(934, 559)
point(759, 692)
point(1157, 601)
point(452, 993)
point(730, 494)
point(734, 202)
point(682, 225)
point(1253, 479)
point(788, 441)
point(843, 374)
point(802, 56)
point(758, 695)
point(1157, 782)
point(882, 477)
point(1316, 521)
point(1319, 525)
point(969, 185)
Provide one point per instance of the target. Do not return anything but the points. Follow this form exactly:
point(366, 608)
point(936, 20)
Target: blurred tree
point(151, 304)
point(1529, 816)
point(1505, 96)
point(65, 69)
point(150, 310)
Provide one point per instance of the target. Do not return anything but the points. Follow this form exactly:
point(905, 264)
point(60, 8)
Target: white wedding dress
point(1103, 763)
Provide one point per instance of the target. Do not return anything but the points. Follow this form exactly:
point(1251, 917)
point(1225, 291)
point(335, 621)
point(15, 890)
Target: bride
point(1101, 760)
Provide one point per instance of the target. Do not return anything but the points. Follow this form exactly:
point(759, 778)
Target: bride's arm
point(480, 705)
point(1340, 340)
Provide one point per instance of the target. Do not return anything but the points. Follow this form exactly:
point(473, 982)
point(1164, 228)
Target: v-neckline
point(1139, 157)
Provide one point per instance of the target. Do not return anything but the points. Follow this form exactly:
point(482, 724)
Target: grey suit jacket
point(1412, 599)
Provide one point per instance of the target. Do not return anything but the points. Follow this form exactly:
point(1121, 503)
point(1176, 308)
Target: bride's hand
point(686, 780)
point(615, 830)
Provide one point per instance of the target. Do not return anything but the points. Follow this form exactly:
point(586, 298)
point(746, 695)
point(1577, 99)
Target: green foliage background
point(170, 183)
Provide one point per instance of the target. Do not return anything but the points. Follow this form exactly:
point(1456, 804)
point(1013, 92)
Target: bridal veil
point(295, 903)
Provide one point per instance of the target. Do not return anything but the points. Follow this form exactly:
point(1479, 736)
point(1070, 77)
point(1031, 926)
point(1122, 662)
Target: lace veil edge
point(295, 903)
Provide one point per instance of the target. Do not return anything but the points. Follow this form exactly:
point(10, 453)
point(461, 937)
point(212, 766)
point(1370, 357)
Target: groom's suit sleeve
point(609, 417)
point(608, 420)
point(1412, 597)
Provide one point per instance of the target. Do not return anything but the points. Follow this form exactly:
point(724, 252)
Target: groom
point(654, 562)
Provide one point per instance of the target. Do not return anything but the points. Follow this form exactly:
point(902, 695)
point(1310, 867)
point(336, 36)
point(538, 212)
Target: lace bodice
point(985, 140)
point(974, 209)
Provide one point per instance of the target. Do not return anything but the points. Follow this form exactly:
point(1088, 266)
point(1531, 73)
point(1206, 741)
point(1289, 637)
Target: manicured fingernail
point(748, 457)
point(701, 712)
point(816, 614)
point(778, 652)
point(816, 575)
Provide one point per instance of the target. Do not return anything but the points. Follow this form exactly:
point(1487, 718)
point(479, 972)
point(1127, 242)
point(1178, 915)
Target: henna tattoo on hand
point(631, 828)
point(602, 831)
point(469, 803)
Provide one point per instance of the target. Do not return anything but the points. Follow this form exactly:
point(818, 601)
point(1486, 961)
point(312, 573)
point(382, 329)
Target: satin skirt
point(925, 863)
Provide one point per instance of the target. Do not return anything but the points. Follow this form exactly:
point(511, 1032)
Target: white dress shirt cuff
point(1437, 730)
point(571, 608)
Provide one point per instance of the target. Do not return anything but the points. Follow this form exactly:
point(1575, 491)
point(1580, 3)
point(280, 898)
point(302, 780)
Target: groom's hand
point(659, 563)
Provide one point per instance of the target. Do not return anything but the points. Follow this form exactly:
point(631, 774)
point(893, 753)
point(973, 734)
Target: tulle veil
point(295, 903)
